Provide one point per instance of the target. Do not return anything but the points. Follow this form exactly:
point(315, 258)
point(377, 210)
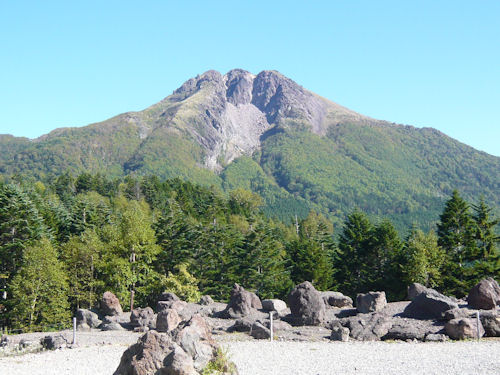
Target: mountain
point(267, 133)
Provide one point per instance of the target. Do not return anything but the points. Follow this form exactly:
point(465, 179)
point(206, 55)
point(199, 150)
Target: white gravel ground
point(304, 358)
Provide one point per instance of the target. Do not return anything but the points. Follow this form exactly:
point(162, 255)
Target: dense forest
point(66, 241)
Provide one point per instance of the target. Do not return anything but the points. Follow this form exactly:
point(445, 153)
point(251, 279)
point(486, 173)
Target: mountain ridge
point(267, 133)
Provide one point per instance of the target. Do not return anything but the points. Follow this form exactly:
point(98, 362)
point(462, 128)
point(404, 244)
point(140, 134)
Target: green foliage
point(183, 284)
point(39, 290)
point(221, 364)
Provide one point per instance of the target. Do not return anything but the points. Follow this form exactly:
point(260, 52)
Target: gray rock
point(491, 323)
point(429, 305)
point(457, 313)
point(177, 305)
point(274, 305)
point(242, 303)
point(336, 299)
point(110, 305)
point(143, 318)
point(339, 333)
point(242, 325)
point(259, 331)
point(4, 341)
point(368, 327)
point(436, 337)
point(178, 362)
point(306, 305)
point(168, 297)
point(167, 320)
point(370, 302)
point(111, 326)
point(485, 295)
point(206, 300)
point(463, 328)
point(411, 329)
point(53, 342)
point(90, 318)
point(414, 289)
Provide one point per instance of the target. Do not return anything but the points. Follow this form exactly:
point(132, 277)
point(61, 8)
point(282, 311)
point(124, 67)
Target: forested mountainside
point(266, 133)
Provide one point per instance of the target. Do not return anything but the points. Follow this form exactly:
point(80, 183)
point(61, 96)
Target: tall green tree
point(40, 289)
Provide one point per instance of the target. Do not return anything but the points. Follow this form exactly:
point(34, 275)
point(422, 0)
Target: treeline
point(63, 243)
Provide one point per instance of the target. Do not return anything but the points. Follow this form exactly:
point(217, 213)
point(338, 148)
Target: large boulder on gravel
point(370, 302)
point(206, 300)
point(53, 342)
point(241, 303)
point(463, 328)
point(167, 320)
point(143, 318)
point(412, 329)
point(368, 327)
point(306, 305)
point(259, 331)
point(336, 299)
point(110, 305)
point(339, 333)
point(274, 305)
point(429, 305)
point(457, 313)
point(168, 296)
point(485, 295)
point(86, 318)
point(414, 289)
point(242, 325)
point(184, 351)
point(491, 323)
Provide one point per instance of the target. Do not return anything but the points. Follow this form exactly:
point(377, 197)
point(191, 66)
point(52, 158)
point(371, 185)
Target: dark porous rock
point(414, 289)
point(146, 356)
point(429, 305)
point(167, 320)
point(206, 300)
point(110, 305)
point(463, 328)
point(242, 303)
point(143, 318)
point(178, 362)
point(491, 323)
point(339, 333)
point(336, 299)
point(457, 313)
point(242, 325)
point(412, 329)
point(87, 318)
point(194, 336)
point(274, 305)
point(53, 342)
point(306, 305)
point(436, 337)
point(168, 297)
point(111, 326)
point(177, 305)
point(368, 327)
point(485, 295)
point(259, 331)
point(370, 302)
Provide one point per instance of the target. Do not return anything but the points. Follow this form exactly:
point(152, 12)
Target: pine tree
point(39, 290)
point(456, 236)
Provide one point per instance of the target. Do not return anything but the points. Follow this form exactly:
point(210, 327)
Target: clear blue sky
point(423, 63)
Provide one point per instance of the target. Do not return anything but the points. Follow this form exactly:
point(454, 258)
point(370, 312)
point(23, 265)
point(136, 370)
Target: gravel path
point(304, 358)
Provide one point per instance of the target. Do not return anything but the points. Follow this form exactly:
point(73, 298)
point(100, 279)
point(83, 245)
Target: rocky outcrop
point(241, 303)
point(53, 342)
point(336, 299)
point(86, 320)
point(206, 300)
point(414, 289)
point(464, 328)
point(370, 302)
point(306, 305)
point(167, 320)
point(429, 305)
point(368, 327)
point(339, 333)
point(259, 331)
point(491, 323)
point(274, 305)
point(110, 305)
point(143, 318)
point(484, 295)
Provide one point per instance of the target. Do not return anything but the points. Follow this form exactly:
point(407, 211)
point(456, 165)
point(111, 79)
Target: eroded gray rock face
point(259, 331)
point(53, 342)
point(206, 300)
point(241, 303)
point(370, 302)
point(412, 329)
point(414, 290)
point(484, 295)
point(306, 305)
point(464, 328)
point(110, 305)
point(429, 305)
point(491, 323)
point(336, 299)
point(274, 305)
point(339, 333)
point(167, 320)
point(86, 319)
point(143, 318)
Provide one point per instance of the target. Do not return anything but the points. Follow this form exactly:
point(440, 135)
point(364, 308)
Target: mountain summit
point(268, 134)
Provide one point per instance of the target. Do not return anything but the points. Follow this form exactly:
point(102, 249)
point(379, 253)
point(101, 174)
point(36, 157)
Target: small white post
point(74, 330)
point(478, 322)
point(271, 324)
